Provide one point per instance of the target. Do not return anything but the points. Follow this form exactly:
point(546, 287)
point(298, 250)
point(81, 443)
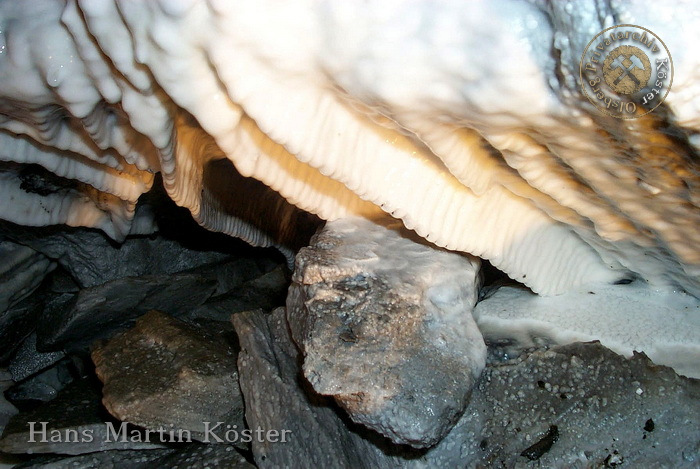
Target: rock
point(73, 423)
point(93, 259)
point(111, 459)
point(99, 312)
point(21, 272)
point(165, 373)
point(279, 404)
point(385, 326)
point(199, 456)
point(17, 323)
point(7, 410)
point(265, 292)
point(45, 385)
point(28, 361)
point(600, 403)
point(192, 456)
point(234, 274)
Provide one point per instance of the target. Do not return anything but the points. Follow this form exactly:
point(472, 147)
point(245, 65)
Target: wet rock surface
point(385, 326)
point(165, 373)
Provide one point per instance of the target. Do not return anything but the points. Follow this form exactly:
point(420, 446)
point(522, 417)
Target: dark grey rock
point(279, 400)
point(385, 326)
point(7, 410)
point(234, 274)
point(192, 456)
point(73, 423)
point(112, 459)
point(17, 323)
point(21, 271)
point(93, 259)
point(265, 292)
point(45, 385)
point(200, 456)
point(28, 361)
point(165, 373)
point(98, 312)
point(606, 408)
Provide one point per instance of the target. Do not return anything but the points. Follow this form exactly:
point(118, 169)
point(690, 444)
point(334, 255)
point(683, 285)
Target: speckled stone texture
point(278, 398)
point(607, 410)
point(166, 373)
point(385, 326)
point(74, 423)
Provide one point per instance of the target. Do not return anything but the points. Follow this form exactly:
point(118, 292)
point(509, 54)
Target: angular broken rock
point(73, 423)
point(308, 430)
point(21, 271)
point(191, 456)
point(265, 292)
point(385, 326)
point(167, 374)
point(93, 259)
point(96, 312)
point(17, 323)
point(7, 410)
point(28, 361)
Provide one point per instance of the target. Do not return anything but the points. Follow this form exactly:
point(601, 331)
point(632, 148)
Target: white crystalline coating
point(127, 184)
point(464, 121)
point(81, 206)
point(665, 325)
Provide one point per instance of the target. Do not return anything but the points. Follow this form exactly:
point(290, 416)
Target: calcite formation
point(276, 399)
point(465, 122)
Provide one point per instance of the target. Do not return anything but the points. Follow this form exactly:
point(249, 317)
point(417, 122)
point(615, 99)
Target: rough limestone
point(277, 399)
point(385, 326)
point(165, 373)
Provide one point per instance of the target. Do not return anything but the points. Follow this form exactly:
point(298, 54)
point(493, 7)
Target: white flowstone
point(446, 116)
point(665, 325)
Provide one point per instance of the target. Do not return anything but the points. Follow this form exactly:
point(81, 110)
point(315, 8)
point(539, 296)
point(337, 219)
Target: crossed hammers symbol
point(636, 63)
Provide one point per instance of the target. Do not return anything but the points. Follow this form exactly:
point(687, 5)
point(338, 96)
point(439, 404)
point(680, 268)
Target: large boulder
point(385, 326)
